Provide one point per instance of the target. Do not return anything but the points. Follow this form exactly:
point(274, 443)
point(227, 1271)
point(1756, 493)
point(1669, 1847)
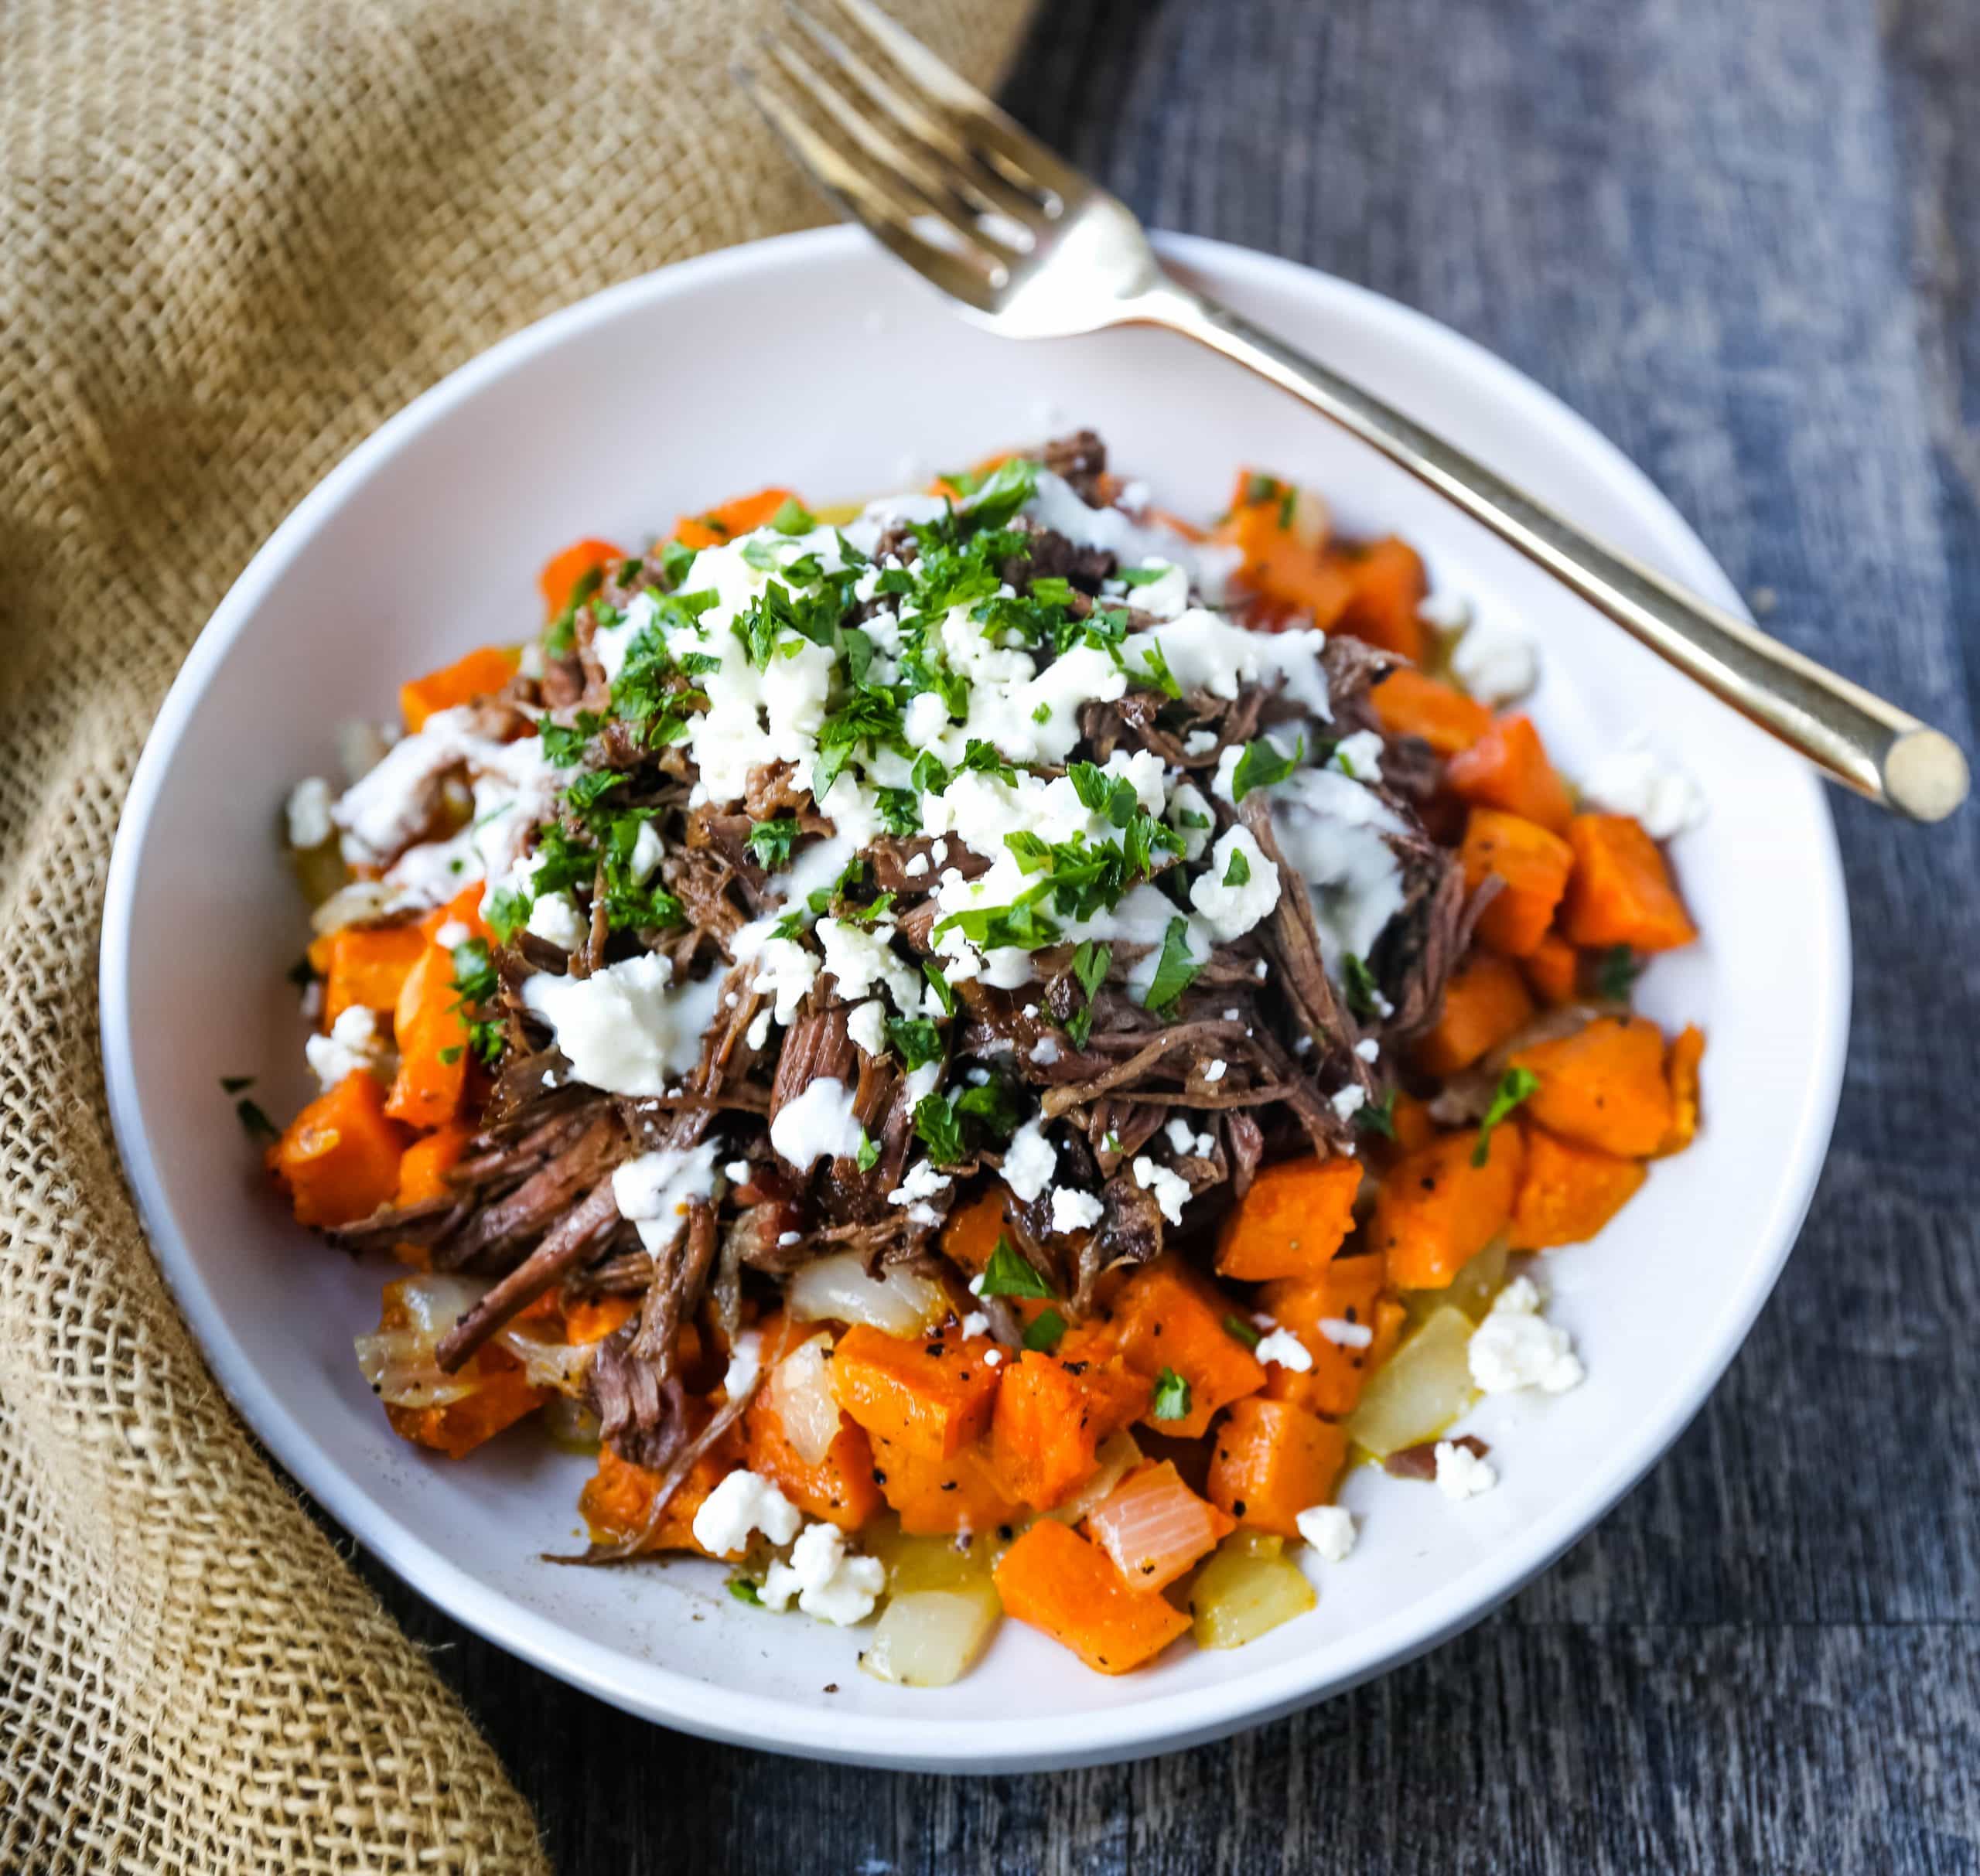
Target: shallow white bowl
point(811, 361)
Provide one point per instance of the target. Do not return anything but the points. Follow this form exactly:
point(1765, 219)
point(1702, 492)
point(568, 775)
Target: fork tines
point(900, 142)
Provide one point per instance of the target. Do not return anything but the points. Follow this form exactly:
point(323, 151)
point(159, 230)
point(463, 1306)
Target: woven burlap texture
point(235, 235)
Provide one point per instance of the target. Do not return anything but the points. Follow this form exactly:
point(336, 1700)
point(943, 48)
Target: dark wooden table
point(1744, 240)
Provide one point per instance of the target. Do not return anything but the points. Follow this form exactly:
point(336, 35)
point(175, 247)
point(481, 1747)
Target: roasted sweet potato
point(1291, 1222)
point(1385, 586)
point(1436, 1211)
point(1051, 1415)
point(1166, 1316)
point(1407, 704)
point(1485, 1001)
point(1056, 1581)
point(339, 1157)
point(742, 516)
point(475, 675)
point(1567, 1193)
point(1533, 866)
point(1508, 768)
point(1620, 891)
point(928, 1398)
point(1344, 1295)
point(1270, 1461)
point(1603, 1087)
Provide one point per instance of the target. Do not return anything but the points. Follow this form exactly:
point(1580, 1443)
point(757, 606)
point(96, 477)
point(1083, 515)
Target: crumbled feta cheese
point(992, 1357)
point(1349, 1101)
point(353, 1043)
point(554, 917)
point(866, 1023)
point(746, 1363)
point(1368, 1048)
point(1496, 666)
point(1461, 1473)
point(648, 852)
point(1073, 1211)
point(1335, 833)
point(1186, 1140)
point(1445, 611)
point(975, 1323)
point(1216, 1071)
point(917, 867)
point(785, 973)
point(862, 959)
point(1045, 1051)
point(759, 1030)
point(1632, 780)
point(1285, 1349)
point(1344, 1334)
point(1029, 1162)
point(1516, 1347)
point(1231, 910)
point(452, 933)
point(1329, 1528)
point(737, 1172)
point(921, 1181)
point(818, 1123)
point(1171, 1189)
point(975, 1285)
point(625, 1029)
point(655, 1190)
point(743, 1502)
point(308, 812)
point(1360, 755)
point(828, 1583)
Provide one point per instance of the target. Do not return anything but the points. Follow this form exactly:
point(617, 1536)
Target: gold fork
point(1033, 249)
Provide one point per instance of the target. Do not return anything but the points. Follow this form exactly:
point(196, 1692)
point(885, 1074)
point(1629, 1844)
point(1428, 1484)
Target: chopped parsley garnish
point(900, 811)
point(868, 1154)
point(1617, 972)
point(1515, 1085)
point(1045, 1332)
point(1136, 576)
point(1008, 1273)
point(1171, 1396)
point(1156, 669)
point(233, 1084)
point(564, 745)
point(1238, 873)
point(870, 715)
point(939, 983)
point(744, 1591)
point(1176, 969)
point(1263, 764)
point(1002, 493)
point(938, 1128)
point(506, 913)
point(474, 980)
point(1089, 966)
point(254, 1123)
point(1364, 995)
point(866, 914)
point(1378, 1116)
point(1260, 489)
point(770, 842)
point(794, 518)
point(1237, 1326)
point(919, 1042)
point(996, 1103)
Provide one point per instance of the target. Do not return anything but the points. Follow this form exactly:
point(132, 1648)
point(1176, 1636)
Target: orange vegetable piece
point(929, 1398)
point(425, 1164)
point(1387, 585)
point(480, 671)
point(1274, 531)
point(1567, 1193)
point(616, 1497)
point(1051, 1415)
point(1551, 969)
point(1056, 1581)
point(558, 581)
point(839, 1488)
point(1680, 1072)
point(1411, 1119)
point(1270, 1461)
point(942, 1497)
point(1155, 1527)
point(1535, 865)
point(1407, 704)
point(1347, 1290)
point(1508, 768)
point(1485, 1001)
point(971, 1233)
point(1603, 1087)
point(591, 1318)
point(1292, 1221)
point(1620, 892)
point(1436, 1211)
point(429, 1029)
point(365, 965)
point(456, 1428)
point(463, 908)
point(1166, 1316)
point(339, 1157)
point(1390, 1317)
point(742, 516)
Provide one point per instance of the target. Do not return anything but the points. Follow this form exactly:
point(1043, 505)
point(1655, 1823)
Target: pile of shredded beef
point(531, 1204)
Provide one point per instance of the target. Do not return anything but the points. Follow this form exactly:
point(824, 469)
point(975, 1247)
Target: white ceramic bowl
point(812, 361)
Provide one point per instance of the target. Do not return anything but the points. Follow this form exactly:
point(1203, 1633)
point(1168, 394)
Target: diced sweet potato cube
point(839, 1488)
point(1270, 1461)
point(1551, 970)
point(1508, 768)
point(619, 1496)
point(742, 516)
point(1407, 704)
point(1603, 1087)
point(1533, 865)
point(365, 966)
point(1682, 1064)
point(1343, 1298)
point(478, 674)
point(1386, 585)
point(1436, 1211)
point(1056, 1581)
point(1051, 1416)
point(1292, 1221)
point(1485, 1001)
point(1567, 1193)
point(941, 1497)
point(558, 581)
point(339, 1157)
point(930, 1398)
point(1167, 1316)
point(1621, 891)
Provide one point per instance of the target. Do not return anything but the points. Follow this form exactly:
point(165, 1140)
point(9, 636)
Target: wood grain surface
point(1744, 241)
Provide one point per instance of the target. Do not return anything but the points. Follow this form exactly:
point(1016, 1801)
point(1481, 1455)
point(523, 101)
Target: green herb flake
point(1364, 995)
point(1263, 764)
point(1378, 1116)
point(1238, 873)
point(1617, 972)
point(919, 1042)
point(233, 1084)
point(1008, 1273)
point(254, 1123)
point(938, 1128)
point(744, 1591)
point(1176, 969)
point(1237, 1328)
point(1171, 1396)
point(1515, 1085)
point(1136, 576)
point(939, 983)
point(1045, 1332)
point(770, 842)
point(869, 1155)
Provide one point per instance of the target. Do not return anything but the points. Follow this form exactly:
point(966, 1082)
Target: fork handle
point(1857, 738)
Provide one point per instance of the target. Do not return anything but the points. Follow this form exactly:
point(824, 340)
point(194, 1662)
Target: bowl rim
point(929, 1742)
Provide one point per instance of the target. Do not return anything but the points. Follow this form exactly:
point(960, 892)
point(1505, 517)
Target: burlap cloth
point(235, 235)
